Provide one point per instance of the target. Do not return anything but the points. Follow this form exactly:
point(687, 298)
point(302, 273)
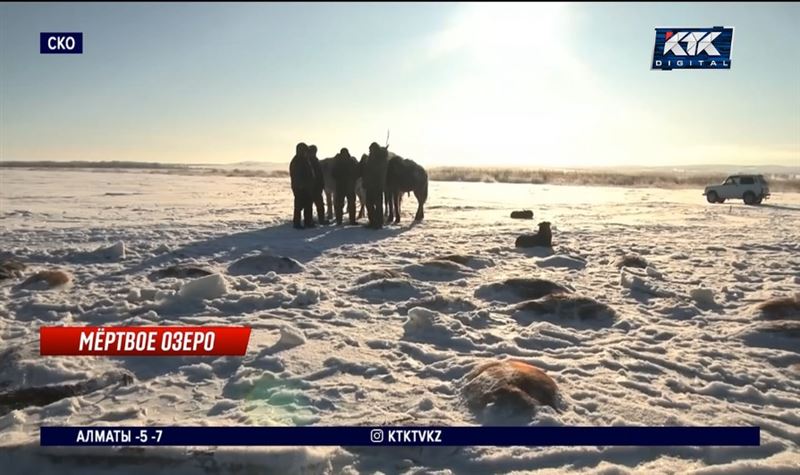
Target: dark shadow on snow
point(283, 240)
point(782, 207)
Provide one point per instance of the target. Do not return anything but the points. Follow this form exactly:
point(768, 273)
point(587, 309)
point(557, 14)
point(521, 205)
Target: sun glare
point(512, 104)
point(497, 33)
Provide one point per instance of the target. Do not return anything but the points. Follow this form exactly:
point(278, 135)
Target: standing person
point(302, 177)
point(345, 173)
point(319, 184)
point(374, 176)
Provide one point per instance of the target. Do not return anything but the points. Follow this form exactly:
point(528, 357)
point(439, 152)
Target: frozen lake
point(365, 330)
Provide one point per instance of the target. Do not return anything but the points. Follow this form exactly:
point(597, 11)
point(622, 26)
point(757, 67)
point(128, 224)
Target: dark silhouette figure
point(345, 172)
point(362, 195)
point(319, 184)
point(327, 177)
point(374, 176)
point(524, 214)
point(403, 176)
point(302, 176)
point(543, 238)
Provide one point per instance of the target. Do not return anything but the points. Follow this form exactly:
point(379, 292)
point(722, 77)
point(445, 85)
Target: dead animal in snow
point(543, 238)
point(510, 383)
point(48, 278)
point(523, 214)
point(781, 308)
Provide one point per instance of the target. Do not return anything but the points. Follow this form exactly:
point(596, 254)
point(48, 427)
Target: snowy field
point(362, 328)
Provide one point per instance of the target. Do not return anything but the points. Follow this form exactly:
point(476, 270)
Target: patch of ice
point(265, 263)
point(222, 406)
point(290, 337)
point(151, 294)
point(429, 326)
point(251, 301)
point(474, 262)
point(438, 270)
point(439, 303)
point(632, 260)
point(653, 272)
point(703, 296)
point(134, 295)
point(204, 288)
point(198, 372)
point(379, 275)
point(637, 283)
point(305, 297)
point(355, 314)
point(562, 261)
point(115, 251)
point(389, 290)
point(180, 271)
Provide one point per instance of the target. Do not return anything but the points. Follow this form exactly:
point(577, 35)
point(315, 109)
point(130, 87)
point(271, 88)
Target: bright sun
point(498, 32)
point(512, 106)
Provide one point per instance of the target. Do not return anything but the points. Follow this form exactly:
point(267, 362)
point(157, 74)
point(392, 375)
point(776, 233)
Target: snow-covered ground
point(337, 340)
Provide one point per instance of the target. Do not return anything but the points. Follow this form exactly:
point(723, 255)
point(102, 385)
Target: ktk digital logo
point(693, 48)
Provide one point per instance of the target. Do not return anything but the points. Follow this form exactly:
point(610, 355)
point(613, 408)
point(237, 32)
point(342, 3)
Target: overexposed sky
point(541, 85)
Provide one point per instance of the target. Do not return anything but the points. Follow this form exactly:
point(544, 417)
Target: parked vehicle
point(753, 189)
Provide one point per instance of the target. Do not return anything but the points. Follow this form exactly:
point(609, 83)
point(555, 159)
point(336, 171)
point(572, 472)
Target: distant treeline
point(596, 178)
point(87, 164)
point(468, 174)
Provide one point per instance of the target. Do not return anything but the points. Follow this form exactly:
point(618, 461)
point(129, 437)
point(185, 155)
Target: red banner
point(143, 341)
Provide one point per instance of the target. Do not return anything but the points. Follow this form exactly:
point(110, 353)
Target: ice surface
point(567, 262)
point(703, 296)
point(355, 326)
point(114, 251)
point(208, 287)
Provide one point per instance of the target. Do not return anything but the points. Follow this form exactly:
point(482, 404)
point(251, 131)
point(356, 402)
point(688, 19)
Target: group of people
point(309, 183)
point(379, 175)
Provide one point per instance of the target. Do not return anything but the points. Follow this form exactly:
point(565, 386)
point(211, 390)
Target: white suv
point(753, 189)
